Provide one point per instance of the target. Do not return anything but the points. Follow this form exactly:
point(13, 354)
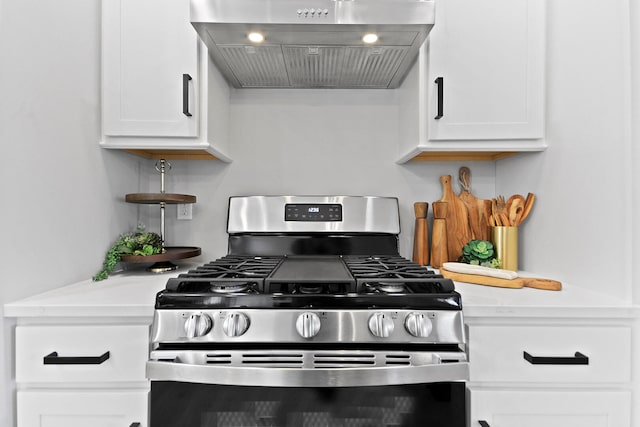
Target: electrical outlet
point(184, 211)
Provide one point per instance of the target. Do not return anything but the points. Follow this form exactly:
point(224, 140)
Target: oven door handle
point(298, 377)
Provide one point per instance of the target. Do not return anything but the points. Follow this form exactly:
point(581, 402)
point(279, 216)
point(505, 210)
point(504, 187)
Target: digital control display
point(309, 212)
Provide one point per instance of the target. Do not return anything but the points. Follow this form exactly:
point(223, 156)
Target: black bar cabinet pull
point(135, 425)
point(440, 82)
point(54, 359)
point(483, 423)
point(185, 94)
point(577, 359)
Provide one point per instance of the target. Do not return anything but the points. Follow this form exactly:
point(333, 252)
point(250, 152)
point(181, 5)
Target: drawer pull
point(135, 425)
point(54, 359)
point(483, 423)
point(577, 359)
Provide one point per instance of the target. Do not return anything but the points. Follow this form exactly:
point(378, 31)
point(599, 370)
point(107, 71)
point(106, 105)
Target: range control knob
point(197, 325)
point(381, 324)
point(308, 325)
point(235, 324)
point(418, 325)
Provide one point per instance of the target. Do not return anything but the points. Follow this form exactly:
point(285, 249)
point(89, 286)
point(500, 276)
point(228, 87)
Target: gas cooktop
point(299, 281)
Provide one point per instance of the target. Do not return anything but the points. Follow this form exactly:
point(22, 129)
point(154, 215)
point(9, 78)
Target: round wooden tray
point(172, 253)
point(155, 198)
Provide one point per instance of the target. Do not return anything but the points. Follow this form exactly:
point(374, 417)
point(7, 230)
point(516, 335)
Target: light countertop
point(127, 293)
point(132, 293)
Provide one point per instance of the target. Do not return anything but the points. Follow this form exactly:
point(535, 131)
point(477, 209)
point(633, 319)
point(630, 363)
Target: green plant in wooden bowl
point(138, 242)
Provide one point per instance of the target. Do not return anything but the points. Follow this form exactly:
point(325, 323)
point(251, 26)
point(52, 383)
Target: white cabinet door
point(490, 56)
point(535, 408)
point(149, 46)
point(118, 408)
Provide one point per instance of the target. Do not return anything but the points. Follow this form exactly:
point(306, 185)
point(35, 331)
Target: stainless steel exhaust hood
point(313, 43)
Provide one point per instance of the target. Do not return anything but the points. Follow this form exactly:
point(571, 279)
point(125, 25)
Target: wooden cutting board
point(479, 210)
point(520, 282)
point(456, 220)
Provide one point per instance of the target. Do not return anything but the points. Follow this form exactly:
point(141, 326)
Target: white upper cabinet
point(148, 48)
point(155, 82)
point(478, 85)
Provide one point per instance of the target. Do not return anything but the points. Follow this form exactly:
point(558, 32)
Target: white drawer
point(549, 408)
point(82, 408)
point(496, 353)
point(84, 353)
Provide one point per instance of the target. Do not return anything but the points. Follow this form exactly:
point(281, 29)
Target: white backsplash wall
point(304, 142)
point(581, 221)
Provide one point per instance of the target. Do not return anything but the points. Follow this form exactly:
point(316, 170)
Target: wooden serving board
point(478, 210)
point(456, 220)
point(520, 282)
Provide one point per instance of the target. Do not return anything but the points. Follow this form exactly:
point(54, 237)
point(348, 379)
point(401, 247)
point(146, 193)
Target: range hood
point(313, 43)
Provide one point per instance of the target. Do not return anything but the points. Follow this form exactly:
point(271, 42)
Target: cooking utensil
point(439, 250)
point(520, 282)
point(494, 213)
point(499, 211)
point(528, 204)
point(457, 220)
point(515, 208)
point(420, 238)
point(478, 221)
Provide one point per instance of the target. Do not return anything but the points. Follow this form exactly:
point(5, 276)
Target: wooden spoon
point(528, 204)
point(515, 206)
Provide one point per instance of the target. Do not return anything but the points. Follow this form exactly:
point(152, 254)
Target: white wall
point(60, 192)
point(634, 18)
point(580, 227)
point(304, 142)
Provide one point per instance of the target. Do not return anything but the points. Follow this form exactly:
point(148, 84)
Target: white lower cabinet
point(551, 373)
point(88, 372)
point(82, 408)
point(548, 408)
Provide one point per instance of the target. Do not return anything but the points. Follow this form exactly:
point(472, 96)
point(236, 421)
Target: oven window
point(198, 405)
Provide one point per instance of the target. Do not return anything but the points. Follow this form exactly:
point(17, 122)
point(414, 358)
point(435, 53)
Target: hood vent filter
point(313, 43)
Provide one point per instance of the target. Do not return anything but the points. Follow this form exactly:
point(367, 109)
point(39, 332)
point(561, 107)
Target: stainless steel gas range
point(311, 319)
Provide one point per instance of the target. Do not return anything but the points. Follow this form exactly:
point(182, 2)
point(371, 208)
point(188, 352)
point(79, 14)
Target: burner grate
point(235, 274)
point(393, 275)
point(237, 266)
point(310, 275)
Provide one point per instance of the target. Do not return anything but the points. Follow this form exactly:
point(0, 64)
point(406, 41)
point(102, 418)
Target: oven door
point(188, 392)
point(213, 405)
